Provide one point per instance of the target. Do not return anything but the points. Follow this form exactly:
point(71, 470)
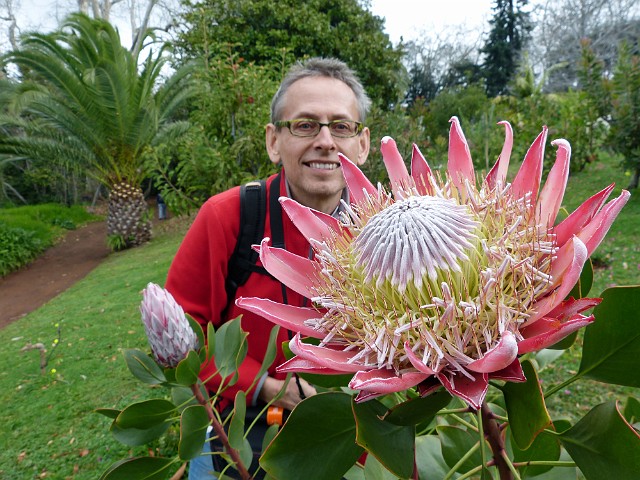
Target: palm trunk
point(128, 224)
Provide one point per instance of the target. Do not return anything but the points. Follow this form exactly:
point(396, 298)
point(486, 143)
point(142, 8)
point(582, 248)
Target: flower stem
point(217, 427)
point(494, 437)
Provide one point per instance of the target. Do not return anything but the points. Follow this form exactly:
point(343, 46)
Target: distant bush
point(25, 232)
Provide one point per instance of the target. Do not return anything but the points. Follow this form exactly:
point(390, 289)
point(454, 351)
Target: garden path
point(58, 268)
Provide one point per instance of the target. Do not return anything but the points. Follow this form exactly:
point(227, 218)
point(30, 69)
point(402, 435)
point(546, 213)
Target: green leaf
point(211, 344)
point(585, 282)
point(374, 470)
point(431, 464)
point(318, 441)
point(143, 367)
point(193, 431)
point(138, 436)
point(230, 347)
point(604, 445)
point(456, 442)
point(545, 447)
point(270, 354)
point(145, 414)
point(188, 369)
point(236, 427)
point(526, 409)
point(139, 468)
point(611, 349)
point(112, 413)
point(393, 445)
point(632, 410)
point(420, 409)
point(183, 397)
point(197, 328)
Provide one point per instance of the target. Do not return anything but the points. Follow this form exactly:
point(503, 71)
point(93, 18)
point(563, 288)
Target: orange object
point(275, 416)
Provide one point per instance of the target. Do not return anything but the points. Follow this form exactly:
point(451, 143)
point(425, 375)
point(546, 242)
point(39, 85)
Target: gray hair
point(321, 67)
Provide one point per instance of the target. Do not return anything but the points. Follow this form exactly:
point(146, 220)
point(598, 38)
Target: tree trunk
point(635, 179)
point(128, 224)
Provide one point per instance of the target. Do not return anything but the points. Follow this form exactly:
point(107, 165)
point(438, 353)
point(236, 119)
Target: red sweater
point(197, 281)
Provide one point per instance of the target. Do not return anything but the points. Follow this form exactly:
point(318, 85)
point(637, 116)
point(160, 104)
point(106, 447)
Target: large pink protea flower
point(168, 331)
point(438, 282)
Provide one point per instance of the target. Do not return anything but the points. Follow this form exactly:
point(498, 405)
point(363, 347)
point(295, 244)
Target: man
point(317, 113)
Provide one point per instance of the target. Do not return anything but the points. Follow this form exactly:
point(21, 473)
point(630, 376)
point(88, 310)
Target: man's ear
point(271, 141)
point(365, 144)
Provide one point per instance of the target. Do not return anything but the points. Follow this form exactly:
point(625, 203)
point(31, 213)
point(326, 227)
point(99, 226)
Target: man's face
point(311, 164)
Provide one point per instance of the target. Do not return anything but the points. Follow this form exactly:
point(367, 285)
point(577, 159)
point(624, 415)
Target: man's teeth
point(323, 166)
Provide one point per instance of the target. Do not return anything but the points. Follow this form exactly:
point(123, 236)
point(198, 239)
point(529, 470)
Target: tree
point(86, 101)
point(266, 30)
point(625, 116)
point(507, 38)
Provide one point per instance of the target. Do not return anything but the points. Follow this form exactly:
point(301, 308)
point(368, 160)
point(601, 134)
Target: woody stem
point(494, 437)
point(222, 435)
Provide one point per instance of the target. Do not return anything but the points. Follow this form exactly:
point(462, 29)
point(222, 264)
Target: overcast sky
point(411, 19)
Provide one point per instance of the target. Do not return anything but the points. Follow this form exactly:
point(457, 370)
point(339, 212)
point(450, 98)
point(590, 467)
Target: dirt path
point(53, 272)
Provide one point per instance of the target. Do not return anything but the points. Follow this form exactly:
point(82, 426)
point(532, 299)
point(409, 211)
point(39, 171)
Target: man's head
point(317, 94)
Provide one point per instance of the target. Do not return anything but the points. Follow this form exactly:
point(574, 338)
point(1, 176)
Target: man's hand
point(291, 396)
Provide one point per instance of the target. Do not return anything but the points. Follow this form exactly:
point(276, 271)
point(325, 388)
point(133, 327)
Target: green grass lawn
point(49, 428)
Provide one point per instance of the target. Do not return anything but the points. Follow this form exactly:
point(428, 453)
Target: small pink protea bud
point(168, 331)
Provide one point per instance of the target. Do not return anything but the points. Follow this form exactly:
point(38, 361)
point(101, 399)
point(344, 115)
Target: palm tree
point(85, 100)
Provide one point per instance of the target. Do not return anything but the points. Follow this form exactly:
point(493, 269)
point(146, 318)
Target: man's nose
point(324, 138)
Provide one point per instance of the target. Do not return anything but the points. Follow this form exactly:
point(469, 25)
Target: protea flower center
point(447, 277)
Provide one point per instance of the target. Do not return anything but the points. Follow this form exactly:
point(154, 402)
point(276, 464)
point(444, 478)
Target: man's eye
point(304, 125)
point(341, 126)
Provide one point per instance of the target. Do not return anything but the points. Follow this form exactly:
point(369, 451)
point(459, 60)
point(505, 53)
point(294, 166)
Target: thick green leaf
point(318, 441)
point(143, 367)
point(236, 427)
point(604, 445)
point(188, 369)
point(632, 410)
point(545, 447)
point(429, 459)
point(526, 409)
point(139, 468)
point(112, 413)
point(393, 445)
point(456, 442)
point(270, 354)
point(138, 436)
point(374, 470)
point(419, 410)
point(145, 414)
point(194, 422)
point(211, 343)
point(611, 350)
point(197, 328)
point(231, 347)
point(183, 397)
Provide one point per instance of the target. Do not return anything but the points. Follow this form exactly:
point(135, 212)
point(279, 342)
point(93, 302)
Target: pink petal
point(325, 357)
point(356, 181)
point(528, 177)
point(551, 195)
point(548, 331)
point(314, 225)
point(287, 316)
point(421, 172)
point(417, 361)
point(593, 233)
point(581, 216)
point(566, 272)
point(498, 172)
point(304, 365)
point(459, 165)
point(471, 391)
point(294, 271)
point(512, 373)
point(384, 380)
point(498, 357)
point(396, 168)
point(571, 306)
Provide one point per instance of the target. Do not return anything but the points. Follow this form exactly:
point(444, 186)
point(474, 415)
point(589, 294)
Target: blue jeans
point(201, 468)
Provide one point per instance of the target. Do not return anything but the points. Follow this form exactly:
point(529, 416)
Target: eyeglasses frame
point(287, 123)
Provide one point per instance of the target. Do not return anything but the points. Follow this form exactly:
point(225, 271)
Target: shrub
point(17, 248)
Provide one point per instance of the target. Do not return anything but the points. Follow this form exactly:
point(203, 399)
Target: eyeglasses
point(305, 127)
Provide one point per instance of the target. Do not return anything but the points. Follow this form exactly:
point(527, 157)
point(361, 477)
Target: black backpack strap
point(253, 212)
